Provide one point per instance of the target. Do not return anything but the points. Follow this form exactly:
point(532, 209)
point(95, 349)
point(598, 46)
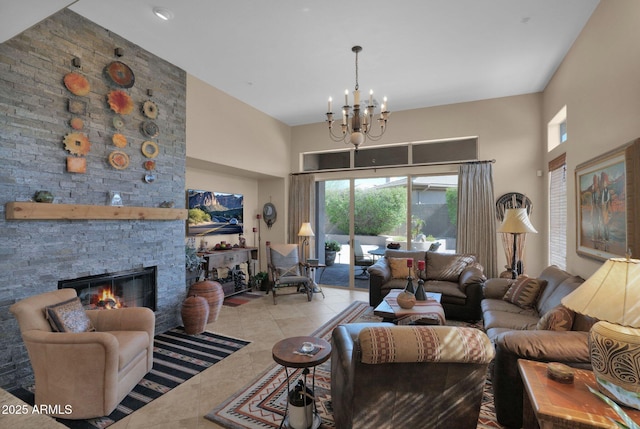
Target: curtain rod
point(492, 161)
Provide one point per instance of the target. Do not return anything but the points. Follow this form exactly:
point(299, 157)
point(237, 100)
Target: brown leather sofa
point(385, 376)
point(459, 278)
point(513, 331)
point(88, 372)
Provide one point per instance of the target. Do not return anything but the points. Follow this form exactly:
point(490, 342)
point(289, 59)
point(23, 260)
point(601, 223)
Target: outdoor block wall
point(34, 118)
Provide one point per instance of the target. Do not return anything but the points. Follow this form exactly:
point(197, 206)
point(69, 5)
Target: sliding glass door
point(358, 219)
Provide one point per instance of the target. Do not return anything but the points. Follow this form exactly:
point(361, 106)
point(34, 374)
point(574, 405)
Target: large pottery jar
point(195, 312)
point(213, 293)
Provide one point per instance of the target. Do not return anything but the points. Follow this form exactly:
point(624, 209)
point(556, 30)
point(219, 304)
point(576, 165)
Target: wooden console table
point(549, 404)
point(229, 259)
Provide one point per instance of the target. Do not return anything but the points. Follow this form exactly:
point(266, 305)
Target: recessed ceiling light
point(163, 13)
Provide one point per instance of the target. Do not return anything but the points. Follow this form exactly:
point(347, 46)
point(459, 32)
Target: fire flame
point(106, 299)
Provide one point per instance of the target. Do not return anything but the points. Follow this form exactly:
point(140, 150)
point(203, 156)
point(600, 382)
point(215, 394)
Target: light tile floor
point(258, 321)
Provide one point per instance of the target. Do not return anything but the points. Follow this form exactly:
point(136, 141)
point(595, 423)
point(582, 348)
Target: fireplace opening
point(132, 288)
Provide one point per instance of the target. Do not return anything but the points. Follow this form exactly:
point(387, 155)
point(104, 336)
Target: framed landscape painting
point(601, 197)
point(212, 213)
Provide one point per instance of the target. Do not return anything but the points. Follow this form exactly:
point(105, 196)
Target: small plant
point(258, 279)
point(332, 246)
point(192, 260)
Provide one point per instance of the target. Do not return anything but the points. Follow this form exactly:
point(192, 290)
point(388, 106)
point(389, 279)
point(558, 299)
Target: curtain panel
point(477, 215)
point(302, 197)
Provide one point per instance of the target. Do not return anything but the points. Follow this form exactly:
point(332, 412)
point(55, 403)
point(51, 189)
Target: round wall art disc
point(120, 74)
point(120, 102)
point(150, 129)
point(150, 149)
point(118, 122)
point(150, 109)
point(119, 160)
point(77, 84)
point(119, 140)
point(77, 143)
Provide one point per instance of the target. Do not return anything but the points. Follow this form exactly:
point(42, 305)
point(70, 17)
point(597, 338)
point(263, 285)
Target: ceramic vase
point(213, 293)
point(195, 312)
point(406, 299)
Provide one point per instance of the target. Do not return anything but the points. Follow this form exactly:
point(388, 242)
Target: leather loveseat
point(545, 332)
point(422, 376)
point(459, 278)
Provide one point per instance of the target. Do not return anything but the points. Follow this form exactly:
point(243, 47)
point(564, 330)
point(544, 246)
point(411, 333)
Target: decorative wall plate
point(120, 102)
point(77, 84)
point(150, 149)
point(119, 140)
point(149, 165)
point(118, 122)
point(150, 129)
point(120, 74)
point(119, 160)
point(149, 178)
point(77, 143)
point(76, 123)
point(150, 109)
point(270, 214)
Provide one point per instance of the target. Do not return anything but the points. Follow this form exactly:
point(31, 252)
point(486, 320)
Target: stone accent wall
point(34, 118)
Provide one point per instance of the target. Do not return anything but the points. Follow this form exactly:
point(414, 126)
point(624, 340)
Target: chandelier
point(358, 125)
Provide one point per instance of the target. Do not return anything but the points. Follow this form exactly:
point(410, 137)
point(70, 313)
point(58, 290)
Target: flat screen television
point(212, 213)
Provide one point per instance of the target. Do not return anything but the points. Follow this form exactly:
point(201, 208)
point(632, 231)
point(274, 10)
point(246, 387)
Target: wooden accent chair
point(285, 269)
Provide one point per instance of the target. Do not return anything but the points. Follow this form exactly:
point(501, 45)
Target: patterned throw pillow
point(559, 318)
point(524, 291)
point(68, 316)
point(447, 267)
point(399, 269)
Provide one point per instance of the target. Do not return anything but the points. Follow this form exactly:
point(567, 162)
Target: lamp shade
point(516, 221)
point(611, 294)
point(305, 230)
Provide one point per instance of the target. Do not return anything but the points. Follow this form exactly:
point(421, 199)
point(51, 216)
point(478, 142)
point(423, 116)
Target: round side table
point(287, 353)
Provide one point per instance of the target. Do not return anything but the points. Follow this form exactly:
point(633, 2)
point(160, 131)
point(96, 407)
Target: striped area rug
point(176, 358)
point(261, 404)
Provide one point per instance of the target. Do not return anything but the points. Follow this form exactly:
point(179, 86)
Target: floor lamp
point(516, 222)
point(305, 231)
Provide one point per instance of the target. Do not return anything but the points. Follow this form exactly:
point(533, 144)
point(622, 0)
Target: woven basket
point(195, 312)
point(213, 293)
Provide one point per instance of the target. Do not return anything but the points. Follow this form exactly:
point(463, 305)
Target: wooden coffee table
point(287, 353)
point(429, 312)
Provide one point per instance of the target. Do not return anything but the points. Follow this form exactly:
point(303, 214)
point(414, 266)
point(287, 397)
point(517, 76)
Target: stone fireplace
point(131, 288)
point(37, 253)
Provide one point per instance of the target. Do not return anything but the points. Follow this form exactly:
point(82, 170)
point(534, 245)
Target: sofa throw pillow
point(559, 318)
point(399, 269)
point(524, 291)
point(447, 267)
point(68, 316)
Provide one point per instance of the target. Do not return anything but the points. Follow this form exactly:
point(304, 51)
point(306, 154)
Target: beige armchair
point(385, 376)
point(89, 371)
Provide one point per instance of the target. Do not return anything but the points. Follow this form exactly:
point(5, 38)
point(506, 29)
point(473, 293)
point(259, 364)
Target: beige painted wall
point(599, 82)
point(225, 131)
point(508, 131)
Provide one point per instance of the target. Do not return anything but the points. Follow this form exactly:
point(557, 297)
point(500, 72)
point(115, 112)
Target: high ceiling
point(286, 57)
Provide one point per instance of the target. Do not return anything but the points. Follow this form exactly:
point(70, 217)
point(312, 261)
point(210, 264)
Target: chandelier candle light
point(356, 126)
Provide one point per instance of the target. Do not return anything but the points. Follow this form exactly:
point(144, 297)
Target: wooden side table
point(285, 352)
point(549, 404)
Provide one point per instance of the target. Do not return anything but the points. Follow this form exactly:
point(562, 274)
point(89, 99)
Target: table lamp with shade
point(516, 222)
point(612, 296)
point(305, 231)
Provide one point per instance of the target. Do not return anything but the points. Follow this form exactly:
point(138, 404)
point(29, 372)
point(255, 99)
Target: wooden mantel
point(18, 210)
